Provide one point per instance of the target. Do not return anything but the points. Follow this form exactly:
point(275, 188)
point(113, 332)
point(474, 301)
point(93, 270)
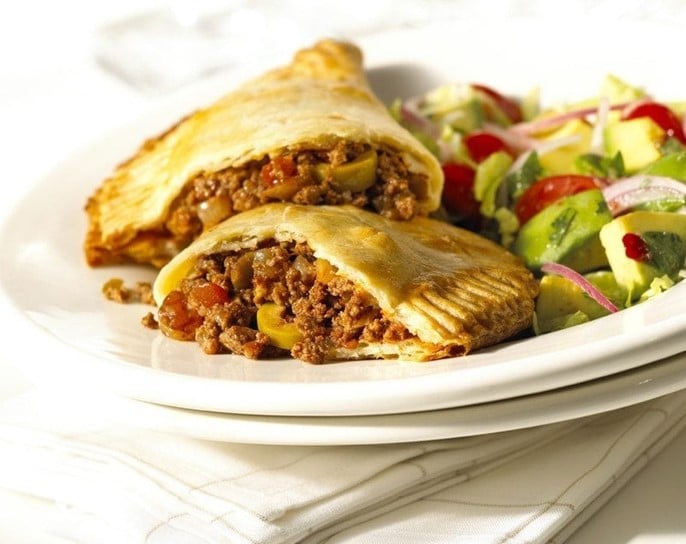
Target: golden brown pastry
point(311, 132)
point(337, 282)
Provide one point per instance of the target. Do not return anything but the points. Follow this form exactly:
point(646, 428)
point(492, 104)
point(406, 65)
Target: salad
point(590, 195)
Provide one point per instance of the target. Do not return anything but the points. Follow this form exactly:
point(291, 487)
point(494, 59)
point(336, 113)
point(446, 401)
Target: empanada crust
point(320, 98)
point(456, 291)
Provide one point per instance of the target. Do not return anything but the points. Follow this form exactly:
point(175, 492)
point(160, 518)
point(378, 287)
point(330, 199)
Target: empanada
point(311, 132)
point(337, 282)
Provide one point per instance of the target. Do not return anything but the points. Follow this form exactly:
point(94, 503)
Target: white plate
point(578, 401)
point(73, 335)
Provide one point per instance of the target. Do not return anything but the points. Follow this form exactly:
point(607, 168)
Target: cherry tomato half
point(481, 144)
point(507, 105)
point(458, 191)
point(546, 191)
point(661, 116)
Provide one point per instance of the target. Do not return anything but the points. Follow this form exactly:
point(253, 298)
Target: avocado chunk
point(460, 106)
point(664, 231)
point(489, 175)
point(561, 160)
point(564, 227)
point(617, 90)
point(470, 117)
point(670, 166)
point(561, 303)
point(589, 256)
point(638, 140)
point(606, 283)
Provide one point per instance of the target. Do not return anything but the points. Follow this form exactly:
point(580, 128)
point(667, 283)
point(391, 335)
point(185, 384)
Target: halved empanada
point(311, 132)
point(336, 282)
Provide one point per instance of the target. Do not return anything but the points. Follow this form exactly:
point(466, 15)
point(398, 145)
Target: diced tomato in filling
point(278, 170)
point(217, 304)
point(207, 295)
point(177, 319)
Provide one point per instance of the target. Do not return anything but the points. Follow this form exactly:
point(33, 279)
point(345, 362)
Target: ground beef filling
point(116, 290)
point(295, 177)
point(305, 307)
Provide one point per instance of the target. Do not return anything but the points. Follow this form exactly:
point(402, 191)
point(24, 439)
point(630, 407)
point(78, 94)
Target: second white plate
point(586, 399)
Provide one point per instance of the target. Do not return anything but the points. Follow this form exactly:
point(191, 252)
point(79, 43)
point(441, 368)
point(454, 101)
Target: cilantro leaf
point(593, 164)
point(667, 251)
point(671, 145)
point(561, 225)
point(519, 181)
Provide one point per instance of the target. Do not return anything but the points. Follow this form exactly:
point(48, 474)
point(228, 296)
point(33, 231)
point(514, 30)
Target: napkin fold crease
point(528, 485)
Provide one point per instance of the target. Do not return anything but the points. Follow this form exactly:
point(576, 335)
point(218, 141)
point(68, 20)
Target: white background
point(54, 98)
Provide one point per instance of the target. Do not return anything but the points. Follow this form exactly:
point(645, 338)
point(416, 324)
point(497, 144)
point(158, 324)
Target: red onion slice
point(410, 114)
point(599, 126)
point(531, 127)
point(590, 289)
point(513, 140)
point(627, 193)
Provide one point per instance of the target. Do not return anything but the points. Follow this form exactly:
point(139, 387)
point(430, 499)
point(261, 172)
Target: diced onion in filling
point(348, 173)
point(275, 299)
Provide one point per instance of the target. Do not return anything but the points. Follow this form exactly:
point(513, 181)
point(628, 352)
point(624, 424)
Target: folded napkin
point(114, 483)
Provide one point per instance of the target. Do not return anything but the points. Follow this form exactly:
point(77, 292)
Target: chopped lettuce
point(560, 322)
point(657, 286)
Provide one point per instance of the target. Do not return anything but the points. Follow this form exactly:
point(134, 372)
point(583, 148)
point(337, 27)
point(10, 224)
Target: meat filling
point(347, 174)
point(271, 301)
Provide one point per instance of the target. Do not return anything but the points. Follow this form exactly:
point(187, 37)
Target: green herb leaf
point(593, 164)
point(664, 205)
point(601, 208)
point(667, 251)
point(519, 181)
point(394, 109)
point(671, 145)
point(428, 142)
point(561, 225)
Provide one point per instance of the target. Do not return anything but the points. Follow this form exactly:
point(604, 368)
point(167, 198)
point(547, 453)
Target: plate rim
point(575, 402)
